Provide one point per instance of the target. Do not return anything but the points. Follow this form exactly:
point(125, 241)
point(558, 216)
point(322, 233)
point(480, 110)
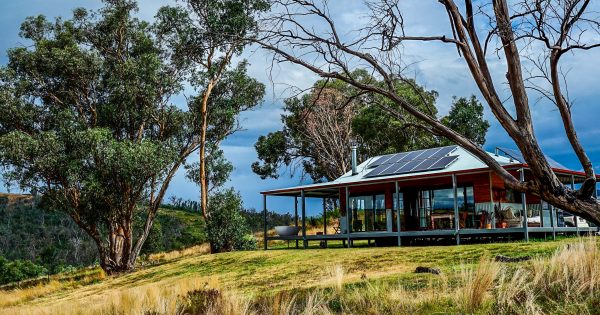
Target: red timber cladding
point(498, 183)
point(480, 182)
point(342, 201)
point(481, 185)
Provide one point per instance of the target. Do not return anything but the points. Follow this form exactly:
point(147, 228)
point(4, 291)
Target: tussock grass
point(476, 284)
point(337, 276)
point(53, 284)
point(156, 298)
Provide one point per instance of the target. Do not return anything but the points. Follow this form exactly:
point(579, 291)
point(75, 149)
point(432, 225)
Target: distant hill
point(52, 240)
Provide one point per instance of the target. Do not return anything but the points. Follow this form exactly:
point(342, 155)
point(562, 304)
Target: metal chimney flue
point(354, 146)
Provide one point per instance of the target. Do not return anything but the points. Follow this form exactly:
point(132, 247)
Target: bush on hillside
point(18, 270)
point(226, 227)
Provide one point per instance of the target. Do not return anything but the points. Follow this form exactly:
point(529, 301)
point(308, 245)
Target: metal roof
point(516, 154)
point(465, 162)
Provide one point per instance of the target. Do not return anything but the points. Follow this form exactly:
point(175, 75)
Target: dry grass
point(13, 297)
point(337, 276)
point(167, 256)
point(157, 298)
point(477, 284)
point(57, 283)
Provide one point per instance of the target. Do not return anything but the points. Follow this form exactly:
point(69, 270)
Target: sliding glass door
point(368, 213)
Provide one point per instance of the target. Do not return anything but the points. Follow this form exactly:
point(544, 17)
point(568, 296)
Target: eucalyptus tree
point(86, 121)
point(212, 33)
point(531, 38)
point(466, 117)
point(316, 133)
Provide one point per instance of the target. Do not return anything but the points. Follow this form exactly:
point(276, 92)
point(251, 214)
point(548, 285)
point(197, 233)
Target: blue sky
point(436, 67)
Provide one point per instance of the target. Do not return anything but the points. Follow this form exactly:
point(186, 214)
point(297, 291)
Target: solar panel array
point(414, 161)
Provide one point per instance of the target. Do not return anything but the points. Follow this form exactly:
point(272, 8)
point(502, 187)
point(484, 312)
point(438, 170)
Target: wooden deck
point(466, 233)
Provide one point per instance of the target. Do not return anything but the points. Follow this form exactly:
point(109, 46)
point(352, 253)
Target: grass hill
point(562, 277)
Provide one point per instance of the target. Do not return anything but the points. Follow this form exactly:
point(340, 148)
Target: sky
point(435, 66)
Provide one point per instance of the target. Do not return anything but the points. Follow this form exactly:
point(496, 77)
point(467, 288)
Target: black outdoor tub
point(284, 230)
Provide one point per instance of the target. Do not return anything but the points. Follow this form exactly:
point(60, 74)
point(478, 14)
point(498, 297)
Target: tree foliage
point(235, 93)
point(466, 118)
point(319, 126)
point(18, 270)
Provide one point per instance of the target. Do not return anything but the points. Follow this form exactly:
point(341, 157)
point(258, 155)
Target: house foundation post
point(304, 242)
point(398, 213)
point(325, 220)
point(456, 218)
point(265, 221)
point(348, 217)
point(575, 221)
point(554, 221)
point(524, 205)
point(296, 216)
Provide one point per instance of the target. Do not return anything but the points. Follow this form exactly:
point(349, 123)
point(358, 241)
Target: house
point(436, 193)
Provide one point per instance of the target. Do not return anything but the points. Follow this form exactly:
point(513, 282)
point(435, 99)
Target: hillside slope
point(260, 273)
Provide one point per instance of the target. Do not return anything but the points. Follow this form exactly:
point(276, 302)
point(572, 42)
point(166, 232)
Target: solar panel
point(396, 167)
point(409, 166)
point(443, 162)
point(381, 160)
point(425, 165)
point(414, 161)
point(443, 151)
point(426, 154)
point(378, 170)
point(413, 155)
point(397, 157)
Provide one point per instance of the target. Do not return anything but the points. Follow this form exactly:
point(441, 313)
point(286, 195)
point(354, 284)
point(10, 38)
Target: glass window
point(379, 215)
point(546, 214)
point(399, 208)
point(368, 213)
point(425, 202)
point(436, 208)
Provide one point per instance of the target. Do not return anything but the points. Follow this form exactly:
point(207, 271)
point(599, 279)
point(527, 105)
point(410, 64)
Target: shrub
point(155, 241)
point(18, 270)
point(201, 301)
point(226, 227)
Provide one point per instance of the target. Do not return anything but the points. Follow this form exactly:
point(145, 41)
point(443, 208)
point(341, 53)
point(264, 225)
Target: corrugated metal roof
point(516, 154)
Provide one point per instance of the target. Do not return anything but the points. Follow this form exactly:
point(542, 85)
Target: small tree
point(226, 227)
point(316, 133)
point(466, 118)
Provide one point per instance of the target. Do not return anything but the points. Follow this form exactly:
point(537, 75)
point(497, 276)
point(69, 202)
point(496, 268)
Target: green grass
point(265, 273)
